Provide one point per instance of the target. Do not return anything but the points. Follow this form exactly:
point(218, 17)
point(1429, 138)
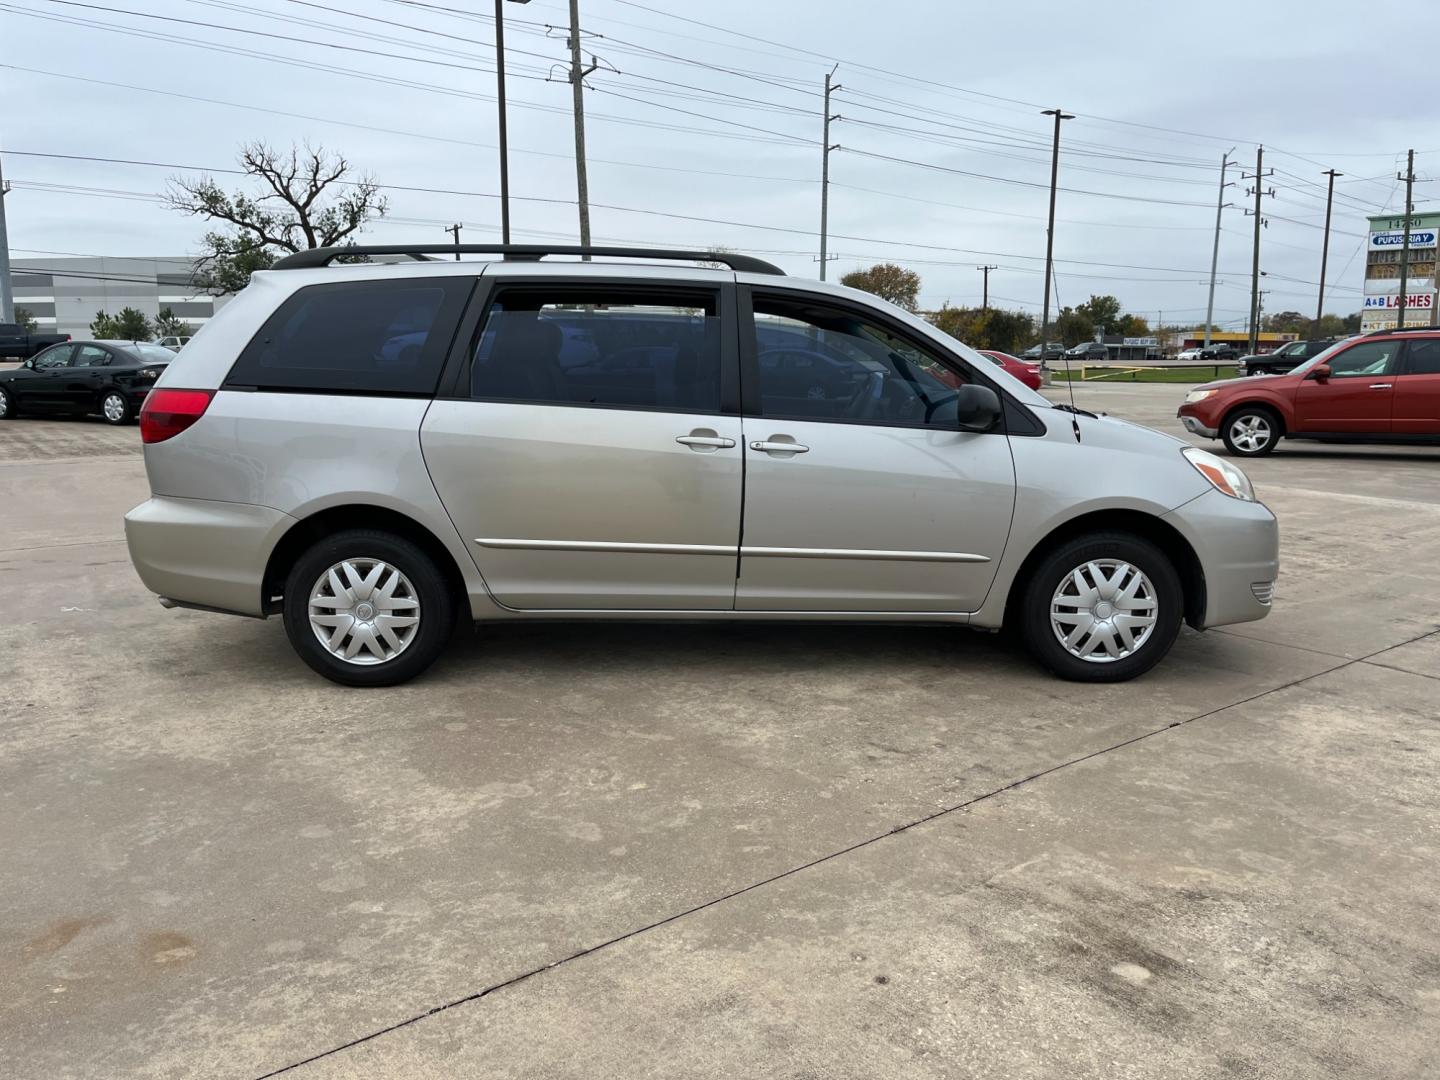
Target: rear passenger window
point(357, 336)
point(1422, 357)
point(622, 348)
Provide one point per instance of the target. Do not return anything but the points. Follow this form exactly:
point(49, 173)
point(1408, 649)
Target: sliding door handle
point(771, 447)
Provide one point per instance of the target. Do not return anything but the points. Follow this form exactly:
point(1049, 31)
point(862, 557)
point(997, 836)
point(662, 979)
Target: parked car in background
point(173, 342)
point(17, 343)
point(1192, 353)
point(1029, 374)
point(1221, 352)
point(884, 471)
point(1053, 350)
point(80, 377)
point(1091, 352)
point(1286, 358)
point(1381, 387)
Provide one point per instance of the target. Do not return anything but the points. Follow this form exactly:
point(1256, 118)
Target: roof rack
point(1403, 330)
point(318, 257)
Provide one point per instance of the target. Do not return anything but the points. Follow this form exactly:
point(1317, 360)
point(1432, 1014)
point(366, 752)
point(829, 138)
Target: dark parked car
point(1089, 352)
point(16, 343)
point(106, 377)
point(1284, 359)
point(1221, 352)
point(1053, 350)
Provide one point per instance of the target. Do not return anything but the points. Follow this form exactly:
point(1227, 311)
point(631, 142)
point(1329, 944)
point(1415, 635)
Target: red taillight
point(166, 413)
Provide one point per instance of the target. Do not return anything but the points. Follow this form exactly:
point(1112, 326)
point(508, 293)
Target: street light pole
point(500, 96)
point(1050, 228)
point(7, 298)
point(1215, 250)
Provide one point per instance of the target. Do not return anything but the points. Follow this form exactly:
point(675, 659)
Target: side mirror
point(29, 363)
point(977, 408)
point(1320, 372)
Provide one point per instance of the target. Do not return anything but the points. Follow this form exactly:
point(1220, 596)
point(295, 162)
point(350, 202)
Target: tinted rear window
point(361, 336)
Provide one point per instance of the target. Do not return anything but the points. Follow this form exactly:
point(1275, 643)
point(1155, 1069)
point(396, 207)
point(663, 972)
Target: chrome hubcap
point(364, 611)
point(1104, 611)
point(4, 403)
point(113, 407)
point(1250, 433)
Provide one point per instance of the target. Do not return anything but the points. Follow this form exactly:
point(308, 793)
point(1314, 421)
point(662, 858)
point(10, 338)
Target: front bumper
point(1195, 427)
point(1238, 544)
point(204, 554)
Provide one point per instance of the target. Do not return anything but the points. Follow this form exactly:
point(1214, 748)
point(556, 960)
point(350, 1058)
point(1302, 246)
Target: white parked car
point(1189, 354)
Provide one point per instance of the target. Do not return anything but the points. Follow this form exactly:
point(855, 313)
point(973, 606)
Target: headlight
point(1196, 395)
point(1228, 479)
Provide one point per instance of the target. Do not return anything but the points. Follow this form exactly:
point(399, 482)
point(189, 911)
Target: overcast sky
point(718, 126)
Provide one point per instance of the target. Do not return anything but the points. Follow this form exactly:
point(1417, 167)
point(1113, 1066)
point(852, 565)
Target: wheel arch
point(1274, 408)
point(1147, 526)
point(308, 530)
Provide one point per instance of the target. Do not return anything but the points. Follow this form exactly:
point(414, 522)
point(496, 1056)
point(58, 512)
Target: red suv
point(1382, 387)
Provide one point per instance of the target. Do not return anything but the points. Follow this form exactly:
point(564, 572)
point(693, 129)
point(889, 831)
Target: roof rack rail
point(1403, 330)
point(323, 256)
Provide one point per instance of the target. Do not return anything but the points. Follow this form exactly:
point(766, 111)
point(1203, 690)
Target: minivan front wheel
point(367, 608)
point(1103, 607)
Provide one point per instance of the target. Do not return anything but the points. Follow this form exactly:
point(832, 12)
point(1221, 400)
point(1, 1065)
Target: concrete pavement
point(721, 851)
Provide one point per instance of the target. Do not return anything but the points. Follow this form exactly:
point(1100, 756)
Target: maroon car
point(1029, 374)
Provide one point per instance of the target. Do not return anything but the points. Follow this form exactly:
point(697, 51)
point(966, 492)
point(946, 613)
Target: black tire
point(1040, 635)
point(8, 409)
point(427, 583)
point(115, 408)
point(1251, 431)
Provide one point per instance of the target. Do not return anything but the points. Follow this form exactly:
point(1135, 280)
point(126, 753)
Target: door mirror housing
point(977, 408)
point(29, 363)
point(1320, 372)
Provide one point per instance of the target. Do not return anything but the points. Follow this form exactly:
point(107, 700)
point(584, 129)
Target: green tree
point(1073, 326)
point(889, 282)
point(1131, 326)
point(1286, 322)
point(1352, 323)
point(308, 199)
point(26, 320)
point(986, 328)
point(168, 324)
point(1330, 326)
point(129, 325)
point(1101, 312)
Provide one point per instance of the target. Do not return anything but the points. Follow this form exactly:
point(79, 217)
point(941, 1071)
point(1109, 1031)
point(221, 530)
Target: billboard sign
point(1418, 301)
point(1395, 239)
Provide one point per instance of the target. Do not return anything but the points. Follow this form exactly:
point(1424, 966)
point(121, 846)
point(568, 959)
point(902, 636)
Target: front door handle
point(1381, 385)
point(779, 447)
point(705, 443)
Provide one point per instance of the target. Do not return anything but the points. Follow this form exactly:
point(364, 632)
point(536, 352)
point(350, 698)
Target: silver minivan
point(375, 451)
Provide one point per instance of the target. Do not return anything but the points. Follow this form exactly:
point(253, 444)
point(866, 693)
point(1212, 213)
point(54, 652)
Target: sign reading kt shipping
point(1415, 300)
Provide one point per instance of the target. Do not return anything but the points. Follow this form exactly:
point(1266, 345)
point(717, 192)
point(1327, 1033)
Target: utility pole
point(1257, 191)
point(1220, 205)
point(1325, 249)
point(577, 84)
point(1409, 178)
point(825, 149)
point(455, 230)
point(985, 302)
point(504, 144)
point(1059, 115)
point(7, 297)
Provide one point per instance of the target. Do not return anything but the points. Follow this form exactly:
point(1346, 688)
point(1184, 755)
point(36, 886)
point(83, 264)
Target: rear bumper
point(204, 554)
point(1238, 544)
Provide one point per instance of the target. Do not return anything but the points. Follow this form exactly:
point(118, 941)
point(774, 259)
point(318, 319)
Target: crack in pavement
point(839, 853)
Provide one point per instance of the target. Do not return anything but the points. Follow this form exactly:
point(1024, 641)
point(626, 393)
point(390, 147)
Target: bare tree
point(309, 198)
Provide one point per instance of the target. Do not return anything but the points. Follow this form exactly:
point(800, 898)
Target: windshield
point(1322, 357)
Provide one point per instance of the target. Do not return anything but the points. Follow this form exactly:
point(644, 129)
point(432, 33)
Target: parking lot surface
point(580, 851)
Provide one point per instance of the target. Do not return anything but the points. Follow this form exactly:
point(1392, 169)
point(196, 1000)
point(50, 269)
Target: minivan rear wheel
point(367, 608)
point(1103, 607)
